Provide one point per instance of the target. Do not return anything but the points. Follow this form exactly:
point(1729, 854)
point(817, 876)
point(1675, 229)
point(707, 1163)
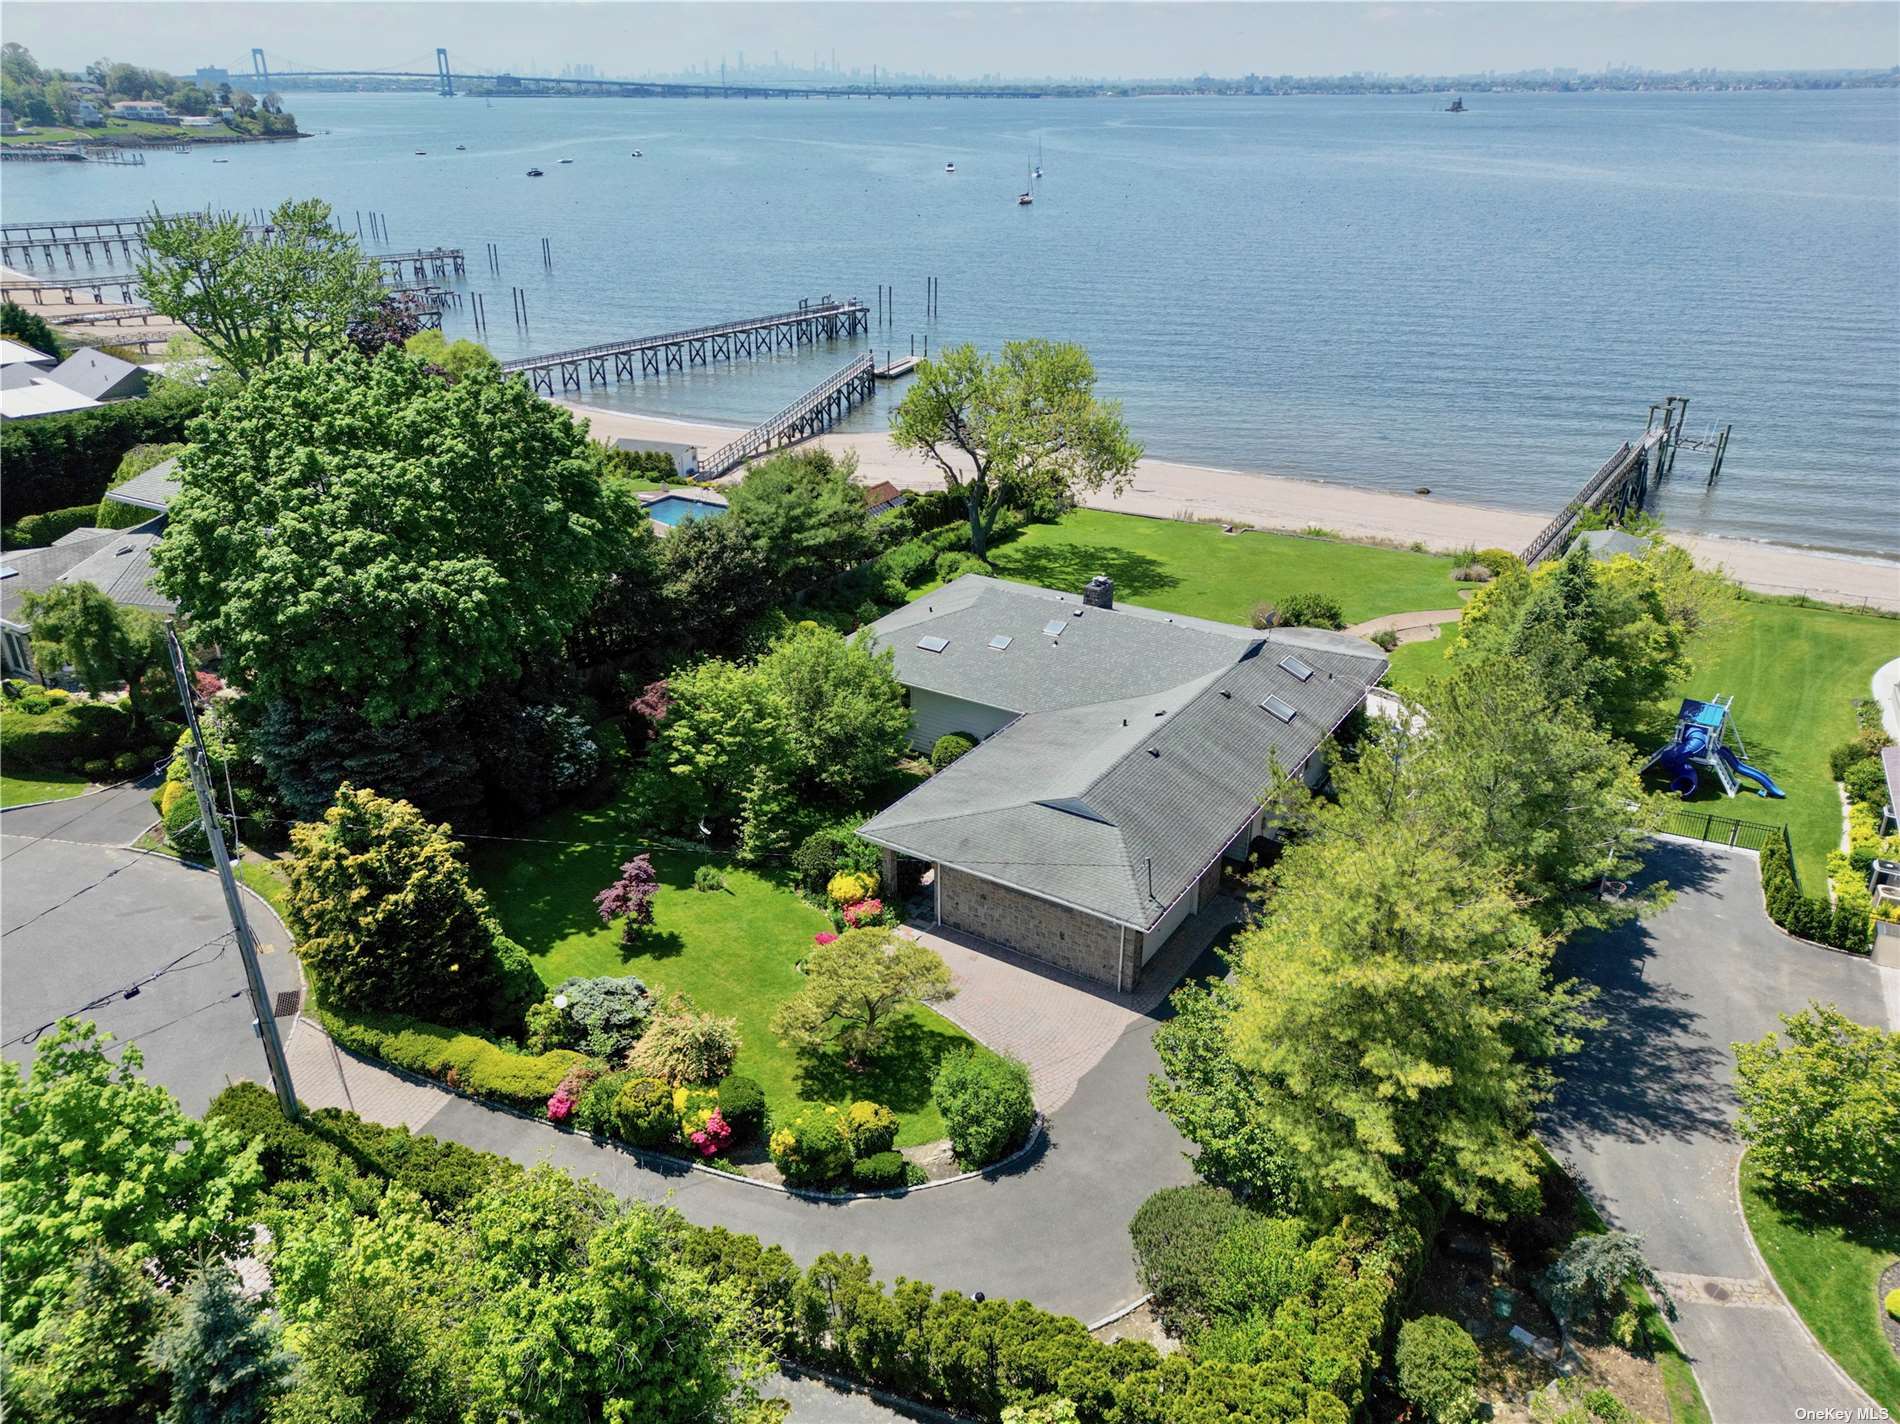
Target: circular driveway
point(140, 944)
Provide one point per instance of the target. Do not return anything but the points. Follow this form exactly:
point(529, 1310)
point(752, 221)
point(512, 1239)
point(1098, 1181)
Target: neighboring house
point(882, 498)
point(85, 89)
point(1123, 756)
point(25, 393)
point(117, 561)
point(685, 457)
point(86, 114)
point(149, 111)
point(18, 353)
point(152, 490)
point(100, 376)
point(7, 125)
point(201, 121)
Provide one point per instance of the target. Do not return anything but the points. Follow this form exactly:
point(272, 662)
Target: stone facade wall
point(1081, 943)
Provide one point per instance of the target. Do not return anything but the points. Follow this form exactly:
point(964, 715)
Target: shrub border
point(1038, 1133)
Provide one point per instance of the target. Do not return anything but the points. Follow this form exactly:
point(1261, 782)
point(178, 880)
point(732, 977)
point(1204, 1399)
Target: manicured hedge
point(475, 1065)
point(61, 461)
point(986, 1104)
point(978, 1357)
point(949, 747)
point(66, 733)
point(37, 531)
point(1843, 926)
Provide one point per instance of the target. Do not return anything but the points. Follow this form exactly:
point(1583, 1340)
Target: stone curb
point(1120, 1313)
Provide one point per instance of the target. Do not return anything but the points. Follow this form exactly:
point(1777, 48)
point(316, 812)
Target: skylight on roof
point(1053, 628)
point(1292, 664)
point(7, 571)
point(1000, 641)
point(933, 644)
point(1280, 708)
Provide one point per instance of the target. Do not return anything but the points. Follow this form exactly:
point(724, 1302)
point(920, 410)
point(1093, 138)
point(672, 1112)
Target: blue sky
point(968, 39)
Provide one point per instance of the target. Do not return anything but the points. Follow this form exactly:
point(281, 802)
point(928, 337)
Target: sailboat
point(1038, 172)
point(1026, 197)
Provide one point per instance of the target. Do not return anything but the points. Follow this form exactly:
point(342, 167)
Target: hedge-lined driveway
point(1644, 1116)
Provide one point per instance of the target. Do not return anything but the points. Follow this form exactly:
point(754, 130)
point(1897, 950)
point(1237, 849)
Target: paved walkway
point(1417, 627)
point(1643, 1116)
point(1060, 1024)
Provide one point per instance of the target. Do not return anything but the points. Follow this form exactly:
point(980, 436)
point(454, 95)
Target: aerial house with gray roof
point(1122, 755)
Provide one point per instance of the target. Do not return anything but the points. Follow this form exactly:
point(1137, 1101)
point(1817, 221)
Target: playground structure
point(1703, 731)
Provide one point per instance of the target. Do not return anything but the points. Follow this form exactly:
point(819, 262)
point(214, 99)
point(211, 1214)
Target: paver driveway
point(1645, 1111)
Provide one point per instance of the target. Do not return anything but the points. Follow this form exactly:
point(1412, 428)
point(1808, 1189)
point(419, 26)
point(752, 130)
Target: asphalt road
point(86, 922)
point(1645, 1111)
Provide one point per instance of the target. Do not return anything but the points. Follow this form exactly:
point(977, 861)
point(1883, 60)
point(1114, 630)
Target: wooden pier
point(820, 408)
point(1620, 486)
point(64, 288)
point(611, 361)
point(422, 264)
point(899, 368)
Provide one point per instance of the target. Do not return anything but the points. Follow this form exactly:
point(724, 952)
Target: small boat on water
point(461, 148)
point(1456, 106)
point(567, 160)
point(536, 173)
point(1027, 196)
point(220, 160)
point(422, 153)
point(1038, 172)
point(949, 168)
point(636, 153)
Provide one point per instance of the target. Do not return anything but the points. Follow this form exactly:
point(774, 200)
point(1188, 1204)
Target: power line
point(127, 991)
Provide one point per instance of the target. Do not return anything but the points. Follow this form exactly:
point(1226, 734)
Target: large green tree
point(386, 916)
point(1821, 1112)
point(251, 300)
point(365, 534)
point(1395, 1004)
point(94, 1158)
point(806, 515)
point(723, 727)
point(1600, 636)
point(1545, 797)
point(843, 709)
point(86, 1362)
point(1016, 429)
point(106, 644)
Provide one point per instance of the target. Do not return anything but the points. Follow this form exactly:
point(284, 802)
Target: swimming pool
point(673, 508)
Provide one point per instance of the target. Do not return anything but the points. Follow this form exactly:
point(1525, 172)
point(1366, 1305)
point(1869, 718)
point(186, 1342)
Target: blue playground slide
point(1742, 768)
point(1678, 759)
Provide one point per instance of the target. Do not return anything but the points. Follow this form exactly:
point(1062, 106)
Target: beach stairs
point(820, 408)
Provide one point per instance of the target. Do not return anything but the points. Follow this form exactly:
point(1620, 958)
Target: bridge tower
point(260, 70)
point(445, 82)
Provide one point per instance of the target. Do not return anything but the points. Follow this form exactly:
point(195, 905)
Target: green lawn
point(19, 790)
point(1197, 570)
point(1828, 1271)
point(1794, 673)
point(1416, 665)
point(734, 953)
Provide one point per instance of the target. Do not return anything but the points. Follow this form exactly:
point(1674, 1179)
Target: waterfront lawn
point(1829, 1271)
point(22, 790)
point(1197, 570)
point(1416, 666)
point(1794, 672)
point(733, 952)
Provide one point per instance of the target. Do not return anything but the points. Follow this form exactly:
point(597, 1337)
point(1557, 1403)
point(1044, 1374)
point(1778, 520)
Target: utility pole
point(264, 1024)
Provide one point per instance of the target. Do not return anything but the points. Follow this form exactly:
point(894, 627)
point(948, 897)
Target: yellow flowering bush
point(810, 1148)
point(869, 1127)
point(848, 887)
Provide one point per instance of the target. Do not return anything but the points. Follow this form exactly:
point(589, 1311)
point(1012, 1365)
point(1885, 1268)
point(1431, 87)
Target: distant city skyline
point(966, 40)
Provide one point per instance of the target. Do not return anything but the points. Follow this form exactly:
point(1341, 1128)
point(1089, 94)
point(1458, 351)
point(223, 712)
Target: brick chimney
point(1099, 592)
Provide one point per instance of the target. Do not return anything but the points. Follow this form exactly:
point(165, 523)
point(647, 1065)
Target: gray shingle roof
point(1115, 806)
point(36, 570)
point(1100, 654)
point(98, 375)
point(121, 566)
point(152, 490)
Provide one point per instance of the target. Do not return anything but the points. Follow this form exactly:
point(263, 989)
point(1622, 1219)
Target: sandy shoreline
point(1167, 490)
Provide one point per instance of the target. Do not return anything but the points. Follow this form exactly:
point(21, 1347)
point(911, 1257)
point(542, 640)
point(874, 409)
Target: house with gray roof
point(99, 376)
point(119, 562)
point(1122, 755)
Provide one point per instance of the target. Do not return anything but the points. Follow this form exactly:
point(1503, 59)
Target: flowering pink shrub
point(864, 910)
point(560, 1106)
point(207, 684)
point(712, 1139)
point(823, 937)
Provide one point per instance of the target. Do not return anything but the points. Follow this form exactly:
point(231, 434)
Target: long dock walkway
point(611, 361)
point(823, 406)
point(1621, 481)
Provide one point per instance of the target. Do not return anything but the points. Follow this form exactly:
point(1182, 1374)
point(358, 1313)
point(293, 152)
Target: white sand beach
point(1166, 490)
